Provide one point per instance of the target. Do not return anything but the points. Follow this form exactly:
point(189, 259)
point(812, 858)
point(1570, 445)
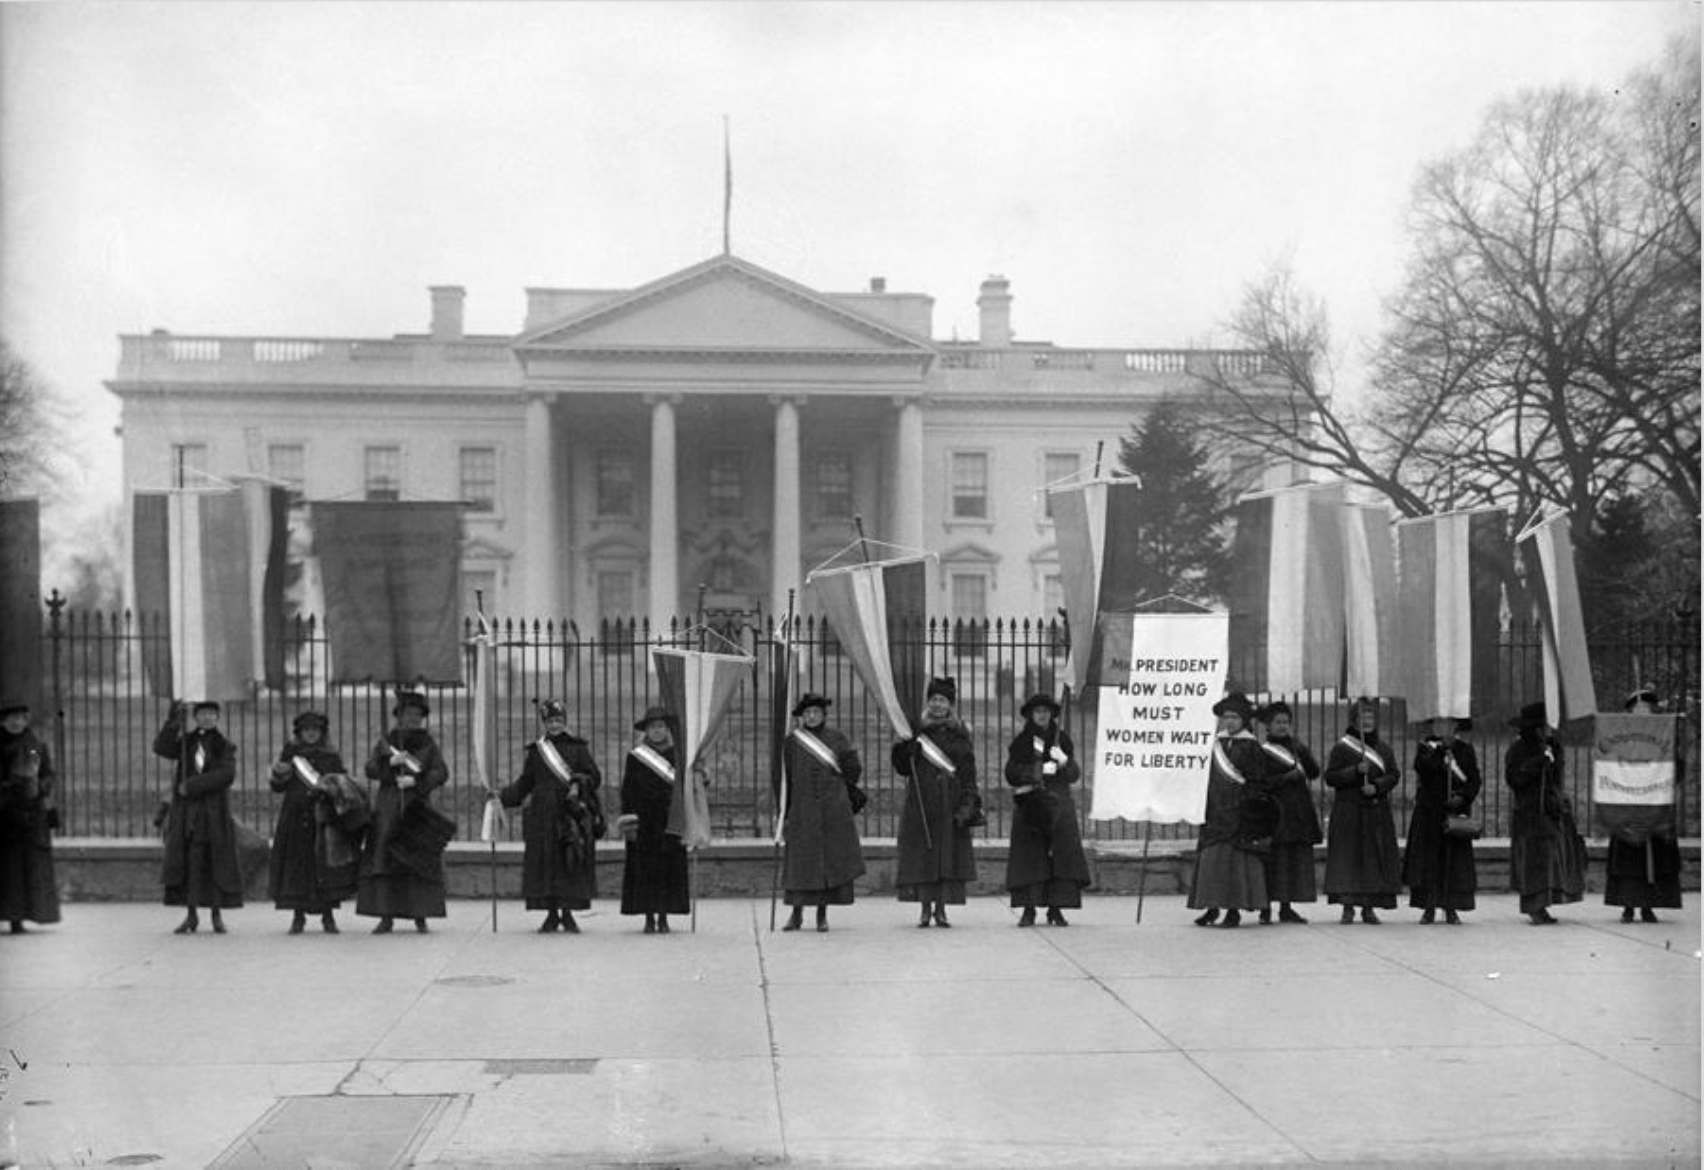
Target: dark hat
point(1039, 700)
point(652, 715)
point(1642, 695)
point(316, 718)
point(811, 700)
point(411, 699)
point(1532, 715)
point(1276, 707)
point(552, 709)
point(946, 687)
point(205, 705)
point(1360, 701)
point(9, 705)
point(1462, 722)
point(1236, 703)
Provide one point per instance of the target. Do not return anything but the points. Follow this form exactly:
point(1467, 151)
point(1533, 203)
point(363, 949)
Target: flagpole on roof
point(727, 188)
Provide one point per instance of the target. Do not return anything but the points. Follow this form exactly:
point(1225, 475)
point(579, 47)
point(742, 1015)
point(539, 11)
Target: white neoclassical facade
point(705, 439)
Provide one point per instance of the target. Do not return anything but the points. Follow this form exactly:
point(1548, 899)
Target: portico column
point(540, 592)
point(786, 547)
point(665, 517)
point(908, 475)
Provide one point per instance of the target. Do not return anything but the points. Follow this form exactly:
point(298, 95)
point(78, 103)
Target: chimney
point(995, 304)
point(447, 311)
point(878, 284)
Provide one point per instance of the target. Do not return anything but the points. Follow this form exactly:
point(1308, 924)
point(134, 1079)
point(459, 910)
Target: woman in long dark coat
point(200, 867)
point(1229, 873)
point(823, 855)
point(304, 879)
point(561, 824)
point(1438, 866)
point(1291, 770)
point(28, 816)
point(1362, 865)
point(942, 806)
point(1045, 865)
point(654, 877)
point(1644, 875)
point(402, 865)
point(1547, 856)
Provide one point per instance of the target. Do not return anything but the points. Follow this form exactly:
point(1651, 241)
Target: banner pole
point(1142, 874)
point(779, 745)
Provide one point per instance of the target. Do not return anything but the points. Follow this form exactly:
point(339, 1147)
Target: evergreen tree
point(1184, 512)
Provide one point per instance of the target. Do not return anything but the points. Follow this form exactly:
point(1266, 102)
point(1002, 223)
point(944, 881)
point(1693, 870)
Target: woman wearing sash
point(1438, 866)
point(1644, 875)
point(303, 878)
point(1362, 866)
point(654, 876)
point(823, 854)
point(561, 824)
point(1045, 865)
point(1229, 874)
point(402, 871)
point(942, 806)
point(200, 867)
point(1291, 770)
point(1547, 857)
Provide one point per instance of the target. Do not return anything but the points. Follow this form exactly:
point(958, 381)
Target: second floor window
point(970, 485)
point(726, 496)
point(834, 485)
point(382, 473)
point(1055, 466)
point(479, 478)
point(615, 493)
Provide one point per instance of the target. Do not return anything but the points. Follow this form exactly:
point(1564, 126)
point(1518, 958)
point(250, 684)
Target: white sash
point(933, 753)
point(309, 774)
point(1281, 754)
point(553, 760)
point(648, 756)
point(409, 761)
point(200, 758)
point(1038, 745)
point(817, 748)
point(1222, 761)
point(1455, 769)
point(1364, 750)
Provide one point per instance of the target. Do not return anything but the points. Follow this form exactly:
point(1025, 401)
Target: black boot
point(299, 922)
point(796, 919)
point(189, 923)
point(568, 923)
point(218, 922)
point(1348, 915)
point(1369, 916)
point(1627, 914)
point(550, 923)
point(328, 924)
point(1208, 917)
point(1027, 918)
point(1451, 918)
point(662, 924)
point(1232, 920)
point(1428, 916)
point(650, 924)
point(1265, 915)
point(1055, 917)
point(923, 915)
point(1287, 913)
point(1646, 914)
point(822, 919)
point(419, 926)
point(17, 926)
point(941, 915)
point(385, 926)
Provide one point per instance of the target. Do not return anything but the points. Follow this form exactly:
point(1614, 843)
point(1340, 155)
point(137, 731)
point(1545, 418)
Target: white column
point(908, 475)
point(786, 548)
point(541, 595)
point(665, 517)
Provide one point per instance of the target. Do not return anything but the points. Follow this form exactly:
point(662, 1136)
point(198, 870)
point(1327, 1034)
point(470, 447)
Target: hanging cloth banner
point(698, 689)
point(1369, 600)
point(1287, 595)
point(1548, 555)
point(876, 614)
point(20, 601)
point(1161, 674)
point(1098, 525)
point(1449, 594)
point(1633, 775)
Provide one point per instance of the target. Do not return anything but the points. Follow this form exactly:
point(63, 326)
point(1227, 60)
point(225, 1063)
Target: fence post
point(56, 635)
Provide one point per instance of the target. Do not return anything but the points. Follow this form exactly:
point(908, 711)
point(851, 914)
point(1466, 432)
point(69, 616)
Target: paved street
point(877, 1044)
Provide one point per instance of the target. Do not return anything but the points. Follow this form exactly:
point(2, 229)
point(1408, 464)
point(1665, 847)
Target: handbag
point(1463, 825)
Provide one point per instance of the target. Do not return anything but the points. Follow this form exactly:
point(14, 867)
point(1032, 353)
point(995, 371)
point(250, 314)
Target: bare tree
point(29, 427)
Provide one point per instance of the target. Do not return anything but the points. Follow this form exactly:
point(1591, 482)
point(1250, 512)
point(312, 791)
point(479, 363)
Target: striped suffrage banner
point(1097, 524)
point(876, 613)
point(1634, 774)
point(1287, 613)
point(1449, 595)
point(493, 824)
point(212, 562)
point(696, 688)
point(1370, 606)
point(20, 602)
point(1547, 554)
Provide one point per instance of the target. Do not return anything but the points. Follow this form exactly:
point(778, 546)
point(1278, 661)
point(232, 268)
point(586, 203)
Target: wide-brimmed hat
point(945, 687)
point(1531, 715)
point(310, 718)
point(653, 715)
point(552, 709)
point(1040, 700)
point(1462, 722)
point(811, 700)
point(415, 699)
point(1236, 703)
point(1642, 695)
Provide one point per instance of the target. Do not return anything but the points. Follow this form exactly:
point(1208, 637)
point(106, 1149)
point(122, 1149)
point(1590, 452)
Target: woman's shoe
point(662, 924)
point(1542, 918)
point(1348, 915)
point(1027, 918)
point(328, 924)
point(1055, 918)
point(796, 919)
point(1265, 915)
point(1286, 914)
point(218, 923)
point(923, 916)
point(650, 924)
point(1627, 914)
point(1369, 916)
point(419, 926)
point(1232, 920)
point(1208, 918)
point(941, 916)
point(298, 923)
point(1427, 917)
point(1451, 918)
point(17, 926)
point(1646, 914)
point(385, 926)
point(568, 923)
point(822, 919)
point(188, 925)
point(550, 923)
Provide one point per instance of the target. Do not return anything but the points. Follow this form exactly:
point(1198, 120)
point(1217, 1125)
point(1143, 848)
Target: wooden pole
point(1142, 876)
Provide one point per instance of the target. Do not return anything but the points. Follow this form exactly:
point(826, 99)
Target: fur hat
point(1236, 703)
point(415, 699)
point(811, 700)
point(552, 709)
point(1040, 700)
point(314, 718)
point(945, 687)
point(653, 715)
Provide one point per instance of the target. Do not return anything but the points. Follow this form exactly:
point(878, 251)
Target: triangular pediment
point(722, 305)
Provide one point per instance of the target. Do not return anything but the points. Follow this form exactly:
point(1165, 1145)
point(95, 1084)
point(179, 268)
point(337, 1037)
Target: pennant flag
point(1449, 600)
point(391, 574)
point(697, 688)
point(1098, 524)
point(20, 601)
point(1369, 600)
point(212, 563)
point(876, 613)
point(1547, 552)
point(1287, 596)
point(1161, 675)
point(494, 825)
point(1634, 775)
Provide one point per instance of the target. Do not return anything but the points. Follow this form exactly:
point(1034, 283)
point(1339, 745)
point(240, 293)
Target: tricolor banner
point(697, 688)
point(1097, 525)
point(211, 564)
point(1369, 600)
point(1449, 599)
point(494, 824)
point(1633, 775)
point(1547, 553)
point(20, 601)
point(1287, 593)
point(876, 613)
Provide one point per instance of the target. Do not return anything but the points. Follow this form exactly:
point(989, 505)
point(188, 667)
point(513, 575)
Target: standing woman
point(1229, 873)
point(654, 878)
point(1291, 770)
point(200, 867)
point(402, 866)
point(303, 879)
point(1644, 874)
point(1045, 865)
point(1547, 857)
point(942, 805)
point(823, 854)
point(563, 820)
point(1438, 865)
point(1362, 866)
point(28, 817)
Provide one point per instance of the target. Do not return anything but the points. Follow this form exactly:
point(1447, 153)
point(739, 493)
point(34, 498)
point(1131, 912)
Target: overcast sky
point(303, 169)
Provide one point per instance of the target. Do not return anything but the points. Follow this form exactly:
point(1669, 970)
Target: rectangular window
point(615, 492)
point(834, 485)
point(1055, 466)
point(382, 473)
point(970, 485)
point(287, 463)
point(189, 465)
point(479, 478)
point(725, 497)
point(615, 594)
point(970, 612)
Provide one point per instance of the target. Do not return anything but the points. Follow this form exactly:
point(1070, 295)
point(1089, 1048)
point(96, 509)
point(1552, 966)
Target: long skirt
point(200, 886)
point(840, 895)
point(655, 879)
point(1228, 878)
point(1628, 878)
point(399, 894)
point(1290, 872)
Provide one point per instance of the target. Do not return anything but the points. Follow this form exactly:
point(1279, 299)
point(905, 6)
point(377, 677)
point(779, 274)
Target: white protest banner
point(1160, 676)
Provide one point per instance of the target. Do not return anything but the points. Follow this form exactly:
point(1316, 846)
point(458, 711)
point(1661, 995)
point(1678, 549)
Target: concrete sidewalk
point(876, 1044)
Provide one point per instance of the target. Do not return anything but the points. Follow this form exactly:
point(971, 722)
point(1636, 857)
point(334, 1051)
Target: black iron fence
point(103, 720)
